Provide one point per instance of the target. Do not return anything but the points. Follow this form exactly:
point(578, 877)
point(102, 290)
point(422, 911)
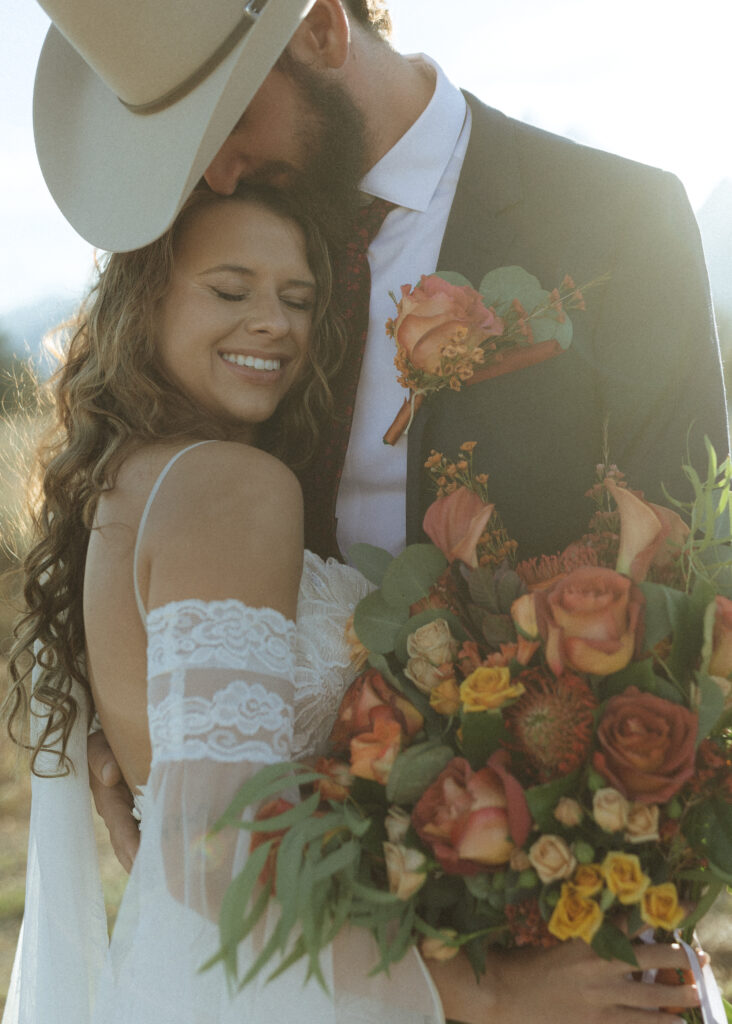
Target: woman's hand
point(112, 799)
point(567, 984)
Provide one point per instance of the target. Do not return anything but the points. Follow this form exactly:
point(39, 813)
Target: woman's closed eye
point(300, 302)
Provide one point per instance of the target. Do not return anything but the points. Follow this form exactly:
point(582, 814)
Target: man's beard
point(332, 138)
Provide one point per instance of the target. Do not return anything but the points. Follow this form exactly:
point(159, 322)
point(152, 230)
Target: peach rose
point(575, 916)
point(590, 620)
point(624, 876)
point(568, 812)
point(445, 697)
point(646, 745)
point(720, 663)
point(642, 825)
point(660, 907)
point(649, 534)
point(359, 654)
point(373, 753)
point(368, 692)
point(487, 689)
point(455, 523)
point(588, 879)
point(406, 870)
point(435, 314)
point(337, 779)
point(610, 809)
point(472, 819)
point(552, 859)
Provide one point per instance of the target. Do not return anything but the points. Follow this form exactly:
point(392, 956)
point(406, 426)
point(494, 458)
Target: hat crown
point(144, 49)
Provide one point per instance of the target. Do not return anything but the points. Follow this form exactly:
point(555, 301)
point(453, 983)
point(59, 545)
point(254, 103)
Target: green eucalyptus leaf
point(293, 816)
point(414, 770)
point(377, 622)
point(501, 286)
point(664, 609)
point(482, 732)
point(410, 575)
point(268, 782)
point(482, 588)
point(612, 944)
point(708, 828)
point(452, 277)
point(549, 327)
point(711, 704)
point(702, 907)
point(495, 629)
point(370, 560)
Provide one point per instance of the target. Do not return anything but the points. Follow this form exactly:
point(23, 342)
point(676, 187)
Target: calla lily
point(648, 533)
point(455, 524)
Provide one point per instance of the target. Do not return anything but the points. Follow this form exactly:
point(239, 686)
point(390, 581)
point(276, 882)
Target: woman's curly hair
point(110, 396)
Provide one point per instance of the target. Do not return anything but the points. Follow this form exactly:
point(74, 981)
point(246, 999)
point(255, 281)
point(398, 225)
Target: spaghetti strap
point(143, 520)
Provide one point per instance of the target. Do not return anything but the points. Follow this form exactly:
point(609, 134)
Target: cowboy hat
point(133, 98)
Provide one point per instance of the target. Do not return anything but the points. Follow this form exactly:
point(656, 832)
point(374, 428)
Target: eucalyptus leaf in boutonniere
point(448, 335)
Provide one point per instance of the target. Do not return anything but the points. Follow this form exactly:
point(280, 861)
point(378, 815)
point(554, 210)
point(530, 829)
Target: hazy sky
point(648, 79)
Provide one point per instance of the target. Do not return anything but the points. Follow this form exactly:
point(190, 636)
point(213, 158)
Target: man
point(472, 190)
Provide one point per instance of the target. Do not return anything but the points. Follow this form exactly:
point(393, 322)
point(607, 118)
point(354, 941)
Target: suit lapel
point(478, 237)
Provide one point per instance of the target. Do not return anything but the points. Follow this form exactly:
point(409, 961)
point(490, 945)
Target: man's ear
point(323, 37)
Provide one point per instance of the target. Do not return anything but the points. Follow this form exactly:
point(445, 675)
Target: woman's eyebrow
point(236, 268)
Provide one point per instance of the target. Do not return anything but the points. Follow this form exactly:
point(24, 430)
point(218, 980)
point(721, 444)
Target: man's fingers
point(102, 763)
point(114, 806)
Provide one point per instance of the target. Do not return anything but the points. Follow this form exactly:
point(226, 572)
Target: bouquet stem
point(403, 418)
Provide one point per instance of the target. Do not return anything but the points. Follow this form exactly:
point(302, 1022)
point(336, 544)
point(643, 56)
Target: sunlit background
point(648, 79)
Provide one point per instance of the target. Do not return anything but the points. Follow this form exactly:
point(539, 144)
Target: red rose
point(368, 692)
point(437, 314)
point(647, 745)
point(472, 820)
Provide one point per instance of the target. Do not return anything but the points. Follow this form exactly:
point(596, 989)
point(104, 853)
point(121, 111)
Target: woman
point(164, 588)
point(163, 592)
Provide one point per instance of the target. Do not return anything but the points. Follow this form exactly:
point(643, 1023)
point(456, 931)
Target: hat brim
point(120, 178)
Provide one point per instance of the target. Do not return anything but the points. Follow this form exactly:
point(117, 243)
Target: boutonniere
point(448, 335)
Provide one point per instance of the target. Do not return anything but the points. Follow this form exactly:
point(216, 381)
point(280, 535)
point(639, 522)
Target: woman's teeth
point(253, 362)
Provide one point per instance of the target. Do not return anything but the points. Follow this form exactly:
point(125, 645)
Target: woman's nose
point(266, 316)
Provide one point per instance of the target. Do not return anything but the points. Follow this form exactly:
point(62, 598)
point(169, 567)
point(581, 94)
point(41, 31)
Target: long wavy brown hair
point(110, 396)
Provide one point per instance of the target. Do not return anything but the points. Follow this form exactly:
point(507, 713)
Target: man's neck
point(391, 91)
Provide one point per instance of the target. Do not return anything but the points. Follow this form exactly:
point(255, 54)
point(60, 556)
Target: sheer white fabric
point(230, 689)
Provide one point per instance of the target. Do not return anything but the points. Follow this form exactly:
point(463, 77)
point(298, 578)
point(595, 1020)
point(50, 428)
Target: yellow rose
point(610, 809)
point(588, 879)
point(624, 876)
point(642, 824)
point(433, 948)
point(488, 689)
point(445, 697)
point(575, 916)
point(405, 869)
point(568, 812)
point(660, 906)
point(552, 859)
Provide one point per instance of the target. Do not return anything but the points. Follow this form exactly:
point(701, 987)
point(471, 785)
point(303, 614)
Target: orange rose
point(455, 524)
point(337, 779)
point(435, 314)
point(647, 745)
point(373, 753)
point(590, 621)
point(368, 692)
point(472, 819)
point(649, 534)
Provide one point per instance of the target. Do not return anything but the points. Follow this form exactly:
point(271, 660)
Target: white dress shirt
point(419, 174)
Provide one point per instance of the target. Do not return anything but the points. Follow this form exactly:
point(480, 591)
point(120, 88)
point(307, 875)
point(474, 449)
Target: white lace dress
point(230, 689)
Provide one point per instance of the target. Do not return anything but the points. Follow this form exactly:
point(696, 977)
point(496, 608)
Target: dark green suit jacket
point(644, 359)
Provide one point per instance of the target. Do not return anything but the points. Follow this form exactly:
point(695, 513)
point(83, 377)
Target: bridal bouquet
point(533, 751)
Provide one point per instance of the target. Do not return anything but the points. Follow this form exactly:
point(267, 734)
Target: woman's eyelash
point(228, 295)
point(301, 304)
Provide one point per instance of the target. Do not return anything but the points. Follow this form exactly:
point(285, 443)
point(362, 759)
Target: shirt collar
point(408, 175)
